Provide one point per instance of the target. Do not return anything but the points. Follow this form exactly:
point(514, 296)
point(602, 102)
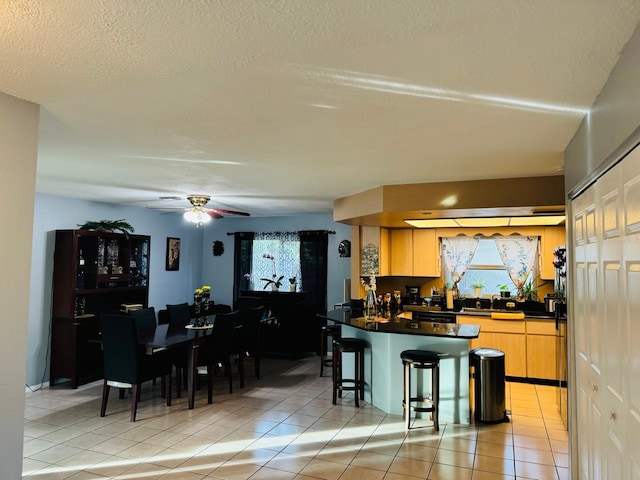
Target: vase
point(274, 287)
point(370, 307)
point(477, 291)
point(292, 288)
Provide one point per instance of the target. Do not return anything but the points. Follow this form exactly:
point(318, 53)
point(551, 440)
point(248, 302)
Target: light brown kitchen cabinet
point(402, 252)
point(529, 345)
point(541, 349)
point(552, 237)
point(414, 253)
point(505, 335)
point(426, 253)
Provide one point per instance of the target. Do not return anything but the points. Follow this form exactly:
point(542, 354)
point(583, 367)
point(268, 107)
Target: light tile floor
point(279, 428)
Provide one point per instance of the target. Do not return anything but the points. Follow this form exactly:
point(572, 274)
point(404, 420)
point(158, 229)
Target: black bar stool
point(355, 346)
point(424, 360)
point(332, 331)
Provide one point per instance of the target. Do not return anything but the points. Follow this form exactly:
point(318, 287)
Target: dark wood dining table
point(178, 336)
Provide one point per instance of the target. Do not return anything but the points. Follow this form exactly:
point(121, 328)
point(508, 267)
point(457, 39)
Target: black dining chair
point(145, 324)
point(217, 350)
point(145, 320)
point(163, 317)
point(247, 340)
point(179, 315)
point(126, 365)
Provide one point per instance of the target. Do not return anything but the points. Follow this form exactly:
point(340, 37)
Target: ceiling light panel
point(433, 223)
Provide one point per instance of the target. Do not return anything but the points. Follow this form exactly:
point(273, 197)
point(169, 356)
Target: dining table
point(167, 336)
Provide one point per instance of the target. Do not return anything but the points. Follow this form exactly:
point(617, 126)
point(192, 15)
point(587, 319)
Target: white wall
point(18, 154)
point(612, 118)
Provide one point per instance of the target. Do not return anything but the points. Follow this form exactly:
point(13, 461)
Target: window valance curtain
point(458, 253)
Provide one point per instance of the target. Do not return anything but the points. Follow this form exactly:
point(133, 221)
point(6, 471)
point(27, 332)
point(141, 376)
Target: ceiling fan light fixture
point(197, 215)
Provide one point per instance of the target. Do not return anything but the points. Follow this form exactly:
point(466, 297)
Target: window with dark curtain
point(313, 264)
point(243, 243)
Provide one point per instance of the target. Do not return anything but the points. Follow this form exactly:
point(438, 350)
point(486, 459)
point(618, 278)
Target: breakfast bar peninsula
point(388, 337)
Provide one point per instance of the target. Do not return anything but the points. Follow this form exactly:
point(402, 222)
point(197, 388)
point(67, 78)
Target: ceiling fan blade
point(229, 212)
point(213, 213)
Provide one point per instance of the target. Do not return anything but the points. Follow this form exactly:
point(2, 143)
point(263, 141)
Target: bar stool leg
point(435, 396)
point(407, 395)
point(361, 354)
point(334, 373)
point(356, 380)
point(323, 350)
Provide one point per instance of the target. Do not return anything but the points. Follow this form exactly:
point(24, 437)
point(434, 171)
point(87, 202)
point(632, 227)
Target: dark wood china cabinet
point(93, 273)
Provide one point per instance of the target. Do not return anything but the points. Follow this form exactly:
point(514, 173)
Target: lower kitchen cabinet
point(505, 335)
point(529, 345)
point(541, 350)
point(513, 346)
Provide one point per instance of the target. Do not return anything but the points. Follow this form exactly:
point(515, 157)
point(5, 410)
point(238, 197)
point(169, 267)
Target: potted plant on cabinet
point(292, 284)
point(504, 290)
point(477, 285)
point(109, 226)
point(530, 291)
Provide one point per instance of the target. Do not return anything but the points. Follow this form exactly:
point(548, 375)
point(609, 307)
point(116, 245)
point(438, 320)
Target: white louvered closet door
point(606, 311)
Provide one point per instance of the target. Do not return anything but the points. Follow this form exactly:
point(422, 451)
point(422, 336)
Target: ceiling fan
point(200, 215)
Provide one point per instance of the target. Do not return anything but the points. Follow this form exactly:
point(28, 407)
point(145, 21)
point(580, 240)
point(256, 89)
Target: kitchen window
point(486, 265)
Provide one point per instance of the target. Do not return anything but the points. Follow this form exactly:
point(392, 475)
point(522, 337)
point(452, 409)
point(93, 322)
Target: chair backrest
point(220, 342)
point(250, 320)
point(145, 320)
point(179, 314)
point(220, 308)
point(120, 347)
point(163, 317)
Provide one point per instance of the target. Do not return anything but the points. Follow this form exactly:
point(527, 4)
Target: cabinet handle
point(594, 387)
point(612, 416)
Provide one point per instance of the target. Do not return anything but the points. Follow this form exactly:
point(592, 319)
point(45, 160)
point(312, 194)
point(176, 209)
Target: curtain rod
point(330, 232)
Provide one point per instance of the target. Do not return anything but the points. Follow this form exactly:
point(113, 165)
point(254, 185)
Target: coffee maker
point(413, 292)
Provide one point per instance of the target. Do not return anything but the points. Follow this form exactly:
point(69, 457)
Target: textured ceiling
point(279, 107)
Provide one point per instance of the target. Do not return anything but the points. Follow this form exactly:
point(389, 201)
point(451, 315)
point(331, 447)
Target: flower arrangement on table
point(275, 281)
point(201, 303)
point(292, 283)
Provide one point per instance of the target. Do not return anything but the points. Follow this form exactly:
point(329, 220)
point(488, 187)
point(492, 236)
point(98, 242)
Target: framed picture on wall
point(173, 254)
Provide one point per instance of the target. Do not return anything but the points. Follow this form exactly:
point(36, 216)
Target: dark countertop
point(397, 324)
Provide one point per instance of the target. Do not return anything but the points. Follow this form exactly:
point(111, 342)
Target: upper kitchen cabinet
point(414, 252)
point(403, 252)
point(552, 237)
point(426, 253)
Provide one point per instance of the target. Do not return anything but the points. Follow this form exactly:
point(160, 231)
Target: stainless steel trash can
point(488, 385)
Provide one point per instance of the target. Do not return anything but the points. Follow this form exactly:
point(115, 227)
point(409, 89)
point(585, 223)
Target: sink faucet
point(494, 298)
